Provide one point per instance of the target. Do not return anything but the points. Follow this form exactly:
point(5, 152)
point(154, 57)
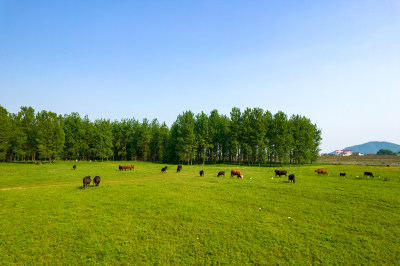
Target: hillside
point(373, 147)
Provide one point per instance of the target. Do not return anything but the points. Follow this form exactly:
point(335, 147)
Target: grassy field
point(146, 217)
point(364, 160)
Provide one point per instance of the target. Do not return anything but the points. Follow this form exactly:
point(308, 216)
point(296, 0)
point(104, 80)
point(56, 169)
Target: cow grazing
point(343, 174)
point(96, 180)
point(278, 172)
point(221, 173)
point(74, 167)
point(164, 170)
point(292, 178)
point(201, 173)
point(321, 171)
point(368, 174)
point(124, 167)
point(237, 173)
point(86, 181)
point(179, 169)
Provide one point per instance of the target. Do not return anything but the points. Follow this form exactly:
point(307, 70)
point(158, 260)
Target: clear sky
point(335, 62)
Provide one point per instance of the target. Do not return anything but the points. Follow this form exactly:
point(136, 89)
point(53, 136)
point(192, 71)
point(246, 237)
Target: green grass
point(146, 217)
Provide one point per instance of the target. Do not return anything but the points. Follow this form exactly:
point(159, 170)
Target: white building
point(343, 152)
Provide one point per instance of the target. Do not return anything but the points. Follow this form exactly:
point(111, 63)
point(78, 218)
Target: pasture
point(144, 216)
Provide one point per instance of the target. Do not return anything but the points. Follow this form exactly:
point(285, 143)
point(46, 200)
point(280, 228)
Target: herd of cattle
point(324, 172)
point(291, 178)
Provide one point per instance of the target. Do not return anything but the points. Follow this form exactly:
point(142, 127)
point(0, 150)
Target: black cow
point(96, 180)
point(283, 172)
point(343, 174)
point(86, 181)
point(292, 178)
point(164, 169)
point(74, 167)
point(120, 167)
point(368, 174)
point(179, 169)
point(221, 173)
point(201, 173)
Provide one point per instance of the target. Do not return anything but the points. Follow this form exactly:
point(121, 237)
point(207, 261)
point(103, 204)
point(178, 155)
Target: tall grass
point(146, 217)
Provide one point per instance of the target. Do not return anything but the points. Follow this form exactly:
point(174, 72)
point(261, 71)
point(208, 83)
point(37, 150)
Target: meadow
point(146, 217)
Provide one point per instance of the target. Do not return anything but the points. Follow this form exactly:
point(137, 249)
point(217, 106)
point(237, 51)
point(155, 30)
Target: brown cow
point(321, 171)
point(237, 173)
point(283, 172)
point(221, 173)
point(130, 167)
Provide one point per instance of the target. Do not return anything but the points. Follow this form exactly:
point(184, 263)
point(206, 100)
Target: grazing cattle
point(164, 169)
point(74, 167)
point(124, 167)
point(321, 171)
point(221, 173)
point(201, 173)
point(278, 172)
point(38, 163)
point(86, 181)
point(292, 178)
point(236, 173)
point(179, 169)
point(343, 174)
point(96, 180)
point(120, 167)
point(368, 174)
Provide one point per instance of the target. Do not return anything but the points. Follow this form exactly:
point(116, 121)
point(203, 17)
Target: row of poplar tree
point(253, 136)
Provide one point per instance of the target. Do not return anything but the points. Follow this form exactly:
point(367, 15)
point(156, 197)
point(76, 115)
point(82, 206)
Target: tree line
point(252, 137)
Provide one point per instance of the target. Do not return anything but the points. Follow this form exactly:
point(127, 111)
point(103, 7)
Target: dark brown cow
point(278, 172)
point(201, 173)
point(237, 173)
point(74, 167)
point(221, 173)
point(343, 174)
point(368, 174)
point(96, 180)
point(292, 178)
point(86, 181)
point(179, 169)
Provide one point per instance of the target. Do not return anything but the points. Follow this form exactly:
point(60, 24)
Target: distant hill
point(373, 147)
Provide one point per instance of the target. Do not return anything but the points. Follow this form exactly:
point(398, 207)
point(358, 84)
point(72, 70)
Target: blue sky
point(335, 62)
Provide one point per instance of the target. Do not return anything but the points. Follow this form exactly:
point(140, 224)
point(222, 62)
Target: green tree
point(29, 127)
point(18, 139)
point(5, 132)
point(102, 145)
point(259, 123)
point(74, 135)
point(185, 137)
point(234, 134)
point(51, 135)
point(281, 137)
point(201, 135)
point(144, 139)
point(385, 152)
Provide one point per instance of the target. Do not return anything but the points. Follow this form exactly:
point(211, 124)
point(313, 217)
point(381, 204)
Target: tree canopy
point(252, 137)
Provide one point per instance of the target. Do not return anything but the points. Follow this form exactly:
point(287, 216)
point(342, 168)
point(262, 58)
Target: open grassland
point(146, 217)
